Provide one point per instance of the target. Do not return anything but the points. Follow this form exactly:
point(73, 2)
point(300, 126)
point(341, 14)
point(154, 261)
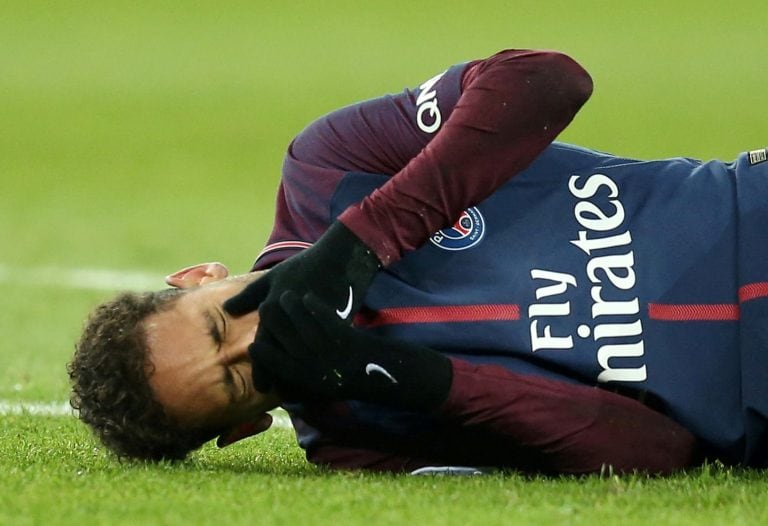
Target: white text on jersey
point(611, 268)
point(427, 103)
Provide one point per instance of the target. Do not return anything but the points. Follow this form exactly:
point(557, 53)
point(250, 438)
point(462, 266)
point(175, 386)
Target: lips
point(245, 430)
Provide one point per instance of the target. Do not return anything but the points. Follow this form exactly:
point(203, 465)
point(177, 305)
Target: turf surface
point(52, 473)
point(148, 136)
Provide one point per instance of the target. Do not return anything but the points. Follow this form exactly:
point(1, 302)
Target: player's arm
point(493, 417)
point(575, 429)
point(510, 107)
point(313, 356)
point(503, 419)
point(448, 143)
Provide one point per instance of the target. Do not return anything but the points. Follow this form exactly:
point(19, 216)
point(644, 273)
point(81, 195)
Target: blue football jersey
point(602, 270)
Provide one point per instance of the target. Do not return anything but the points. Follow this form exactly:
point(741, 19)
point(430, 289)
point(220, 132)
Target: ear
point(245, 430)
point(197, 275)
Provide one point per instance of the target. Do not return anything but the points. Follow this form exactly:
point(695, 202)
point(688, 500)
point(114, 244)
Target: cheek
point(204, 412)
point(200, 400)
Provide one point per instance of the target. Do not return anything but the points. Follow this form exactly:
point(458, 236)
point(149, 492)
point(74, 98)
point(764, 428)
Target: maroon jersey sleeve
point(512, 107)
point(504, 419)
point(448, 144)
point(575, 429)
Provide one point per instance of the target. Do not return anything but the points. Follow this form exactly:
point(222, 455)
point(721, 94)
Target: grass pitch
point(52, 473)
point(147, 136)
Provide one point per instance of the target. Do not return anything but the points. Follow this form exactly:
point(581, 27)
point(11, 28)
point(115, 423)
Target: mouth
point(245, 430)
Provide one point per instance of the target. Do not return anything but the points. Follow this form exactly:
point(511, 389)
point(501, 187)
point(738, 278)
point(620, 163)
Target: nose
point(244, 330)
point(239, 353)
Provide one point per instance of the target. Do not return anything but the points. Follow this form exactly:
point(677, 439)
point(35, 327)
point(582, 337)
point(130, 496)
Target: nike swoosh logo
point(376, 368)
point(343, 314)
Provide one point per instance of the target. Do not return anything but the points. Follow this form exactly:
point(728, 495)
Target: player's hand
point(306, 353)
point(338, 268)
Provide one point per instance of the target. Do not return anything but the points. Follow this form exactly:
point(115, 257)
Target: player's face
point(202, 372)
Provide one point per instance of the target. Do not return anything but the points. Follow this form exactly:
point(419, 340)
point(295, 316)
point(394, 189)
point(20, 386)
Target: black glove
point(307, 354)
point(338, 268)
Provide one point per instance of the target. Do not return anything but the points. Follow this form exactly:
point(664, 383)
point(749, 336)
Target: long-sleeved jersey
point(550, 270)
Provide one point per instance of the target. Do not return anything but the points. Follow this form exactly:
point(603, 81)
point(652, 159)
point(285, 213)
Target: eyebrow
point(215, 334)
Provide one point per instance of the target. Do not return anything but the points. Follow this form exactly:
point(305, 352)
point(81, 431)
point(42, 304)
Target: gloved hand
point(307, 353)
point(338, 268)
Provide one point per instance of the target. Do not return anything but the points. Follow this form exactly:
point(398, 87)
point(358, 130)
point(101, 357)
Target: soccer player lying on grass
point(584, 310)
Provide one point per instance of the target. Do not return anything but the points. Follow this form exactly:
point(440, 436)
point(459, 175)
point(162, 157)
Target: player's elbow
point(552, 76)
point(547, 86)
point(563, 79)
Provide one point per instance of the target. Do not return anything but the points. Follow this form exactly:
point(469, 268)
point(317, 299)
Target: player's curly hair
point(110, 390)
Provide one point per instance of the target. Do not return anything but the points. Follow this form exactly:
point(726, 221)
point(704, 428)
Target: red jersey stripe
point(707, 311)
point(439, 314)
point(753, 291)
point(693, 312)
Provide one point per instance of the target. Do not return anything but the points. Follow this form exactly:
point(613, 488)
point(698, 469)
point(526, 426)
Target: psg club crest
point(465, 233)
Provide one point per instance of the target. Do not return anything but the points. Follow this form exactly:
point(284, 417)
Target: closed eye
point(242, 390)
point(228, 377)
point(213, 330)
point(229, 382)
